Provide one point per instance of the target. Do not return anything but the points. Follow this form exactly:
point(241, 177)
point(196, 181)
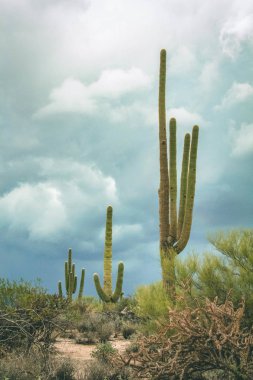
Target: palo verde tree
point(71, 279)
point(174, 227)
point(106, 293)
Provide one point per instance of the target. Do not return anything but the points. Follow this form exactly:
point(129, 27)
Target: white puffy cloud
point(149, 115)
point(234, 32)
point(131, 112)
point(118, 82)
point(186, 119)
point(123, 231)
point(72, 96)
point(237, 93)
point(126, 231)
point(83, 186)
point(48, 209)
point(37, 209)
point(75, 97)
point(242, 140)
point(182, 61)
point(209, 75)
point(81, 38)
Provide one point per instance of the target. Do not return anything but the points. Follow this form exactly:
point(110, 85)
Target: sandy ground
point(82, 352)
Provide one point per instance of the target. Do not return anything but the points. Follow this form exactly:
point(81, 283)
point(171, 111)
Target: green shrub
point(228, 270)
point(96, 327)
point(125, 302)
point(18, 294)
point(151, 301)
point(78, 310)
point(103, 352)
point(151, 305)
point(86, 304)
point(128, 330)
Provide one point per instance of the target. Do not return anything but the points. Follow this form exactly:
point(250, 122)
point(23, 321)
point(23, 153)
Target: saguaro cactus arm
point(118, 290)
point(74, 284)
point(81, 288)
point(173, 182)
point(183, 186)
point(104, 297)
point(183, 240)
point(66, 275)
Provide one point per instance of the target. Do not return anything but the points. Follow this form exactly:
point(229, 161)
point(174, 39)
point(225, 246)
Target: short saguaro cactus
point(105, 293)
point(71, 279)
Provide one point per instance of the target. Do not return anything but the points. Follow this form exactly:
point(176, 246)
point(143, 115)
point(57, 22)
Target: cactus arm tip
point(163, 53)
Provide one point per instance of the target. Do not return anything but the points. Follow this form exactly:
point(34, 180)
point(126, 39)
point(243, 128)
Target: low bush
point(96, 327)
point(128, 330)
point(104, 371)
point(103, 352)
point(63, 370)
point(19, 294)
point(206, 342)
point(34, 366)
point(128, 303)
point(86, 304)
point(23, 328)
point(228, 269)
point(133, 347)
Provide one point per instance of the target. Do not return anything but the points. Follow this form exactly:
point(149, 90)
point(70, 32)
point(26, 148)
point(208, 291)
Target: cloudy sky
point(79, 131)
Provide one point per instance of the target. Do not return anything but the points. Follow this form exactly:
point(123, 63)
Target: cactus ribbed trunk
point(174, 229)
point(164, 177)
point(105, 293)
point(108, 253)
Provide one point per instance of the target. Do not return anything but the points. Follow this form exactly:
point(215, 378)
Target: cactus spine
point(71, 279)
point(174, 229)
point(106, 293)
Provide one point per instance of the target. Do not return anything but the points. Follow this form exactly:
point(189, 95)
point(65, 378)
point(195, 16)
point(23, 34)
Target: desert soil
point(82, 352)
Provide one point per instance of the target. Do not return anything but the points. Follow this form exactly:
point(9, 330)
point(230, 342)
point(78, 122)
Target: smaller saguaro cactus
point(71, 279)
point(106, 293)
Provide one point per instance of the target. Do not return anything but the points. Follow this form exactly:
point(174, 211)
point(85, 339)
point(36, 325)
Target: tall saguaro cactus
point(106, 293)
point(71, 279)
point(174, 229)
